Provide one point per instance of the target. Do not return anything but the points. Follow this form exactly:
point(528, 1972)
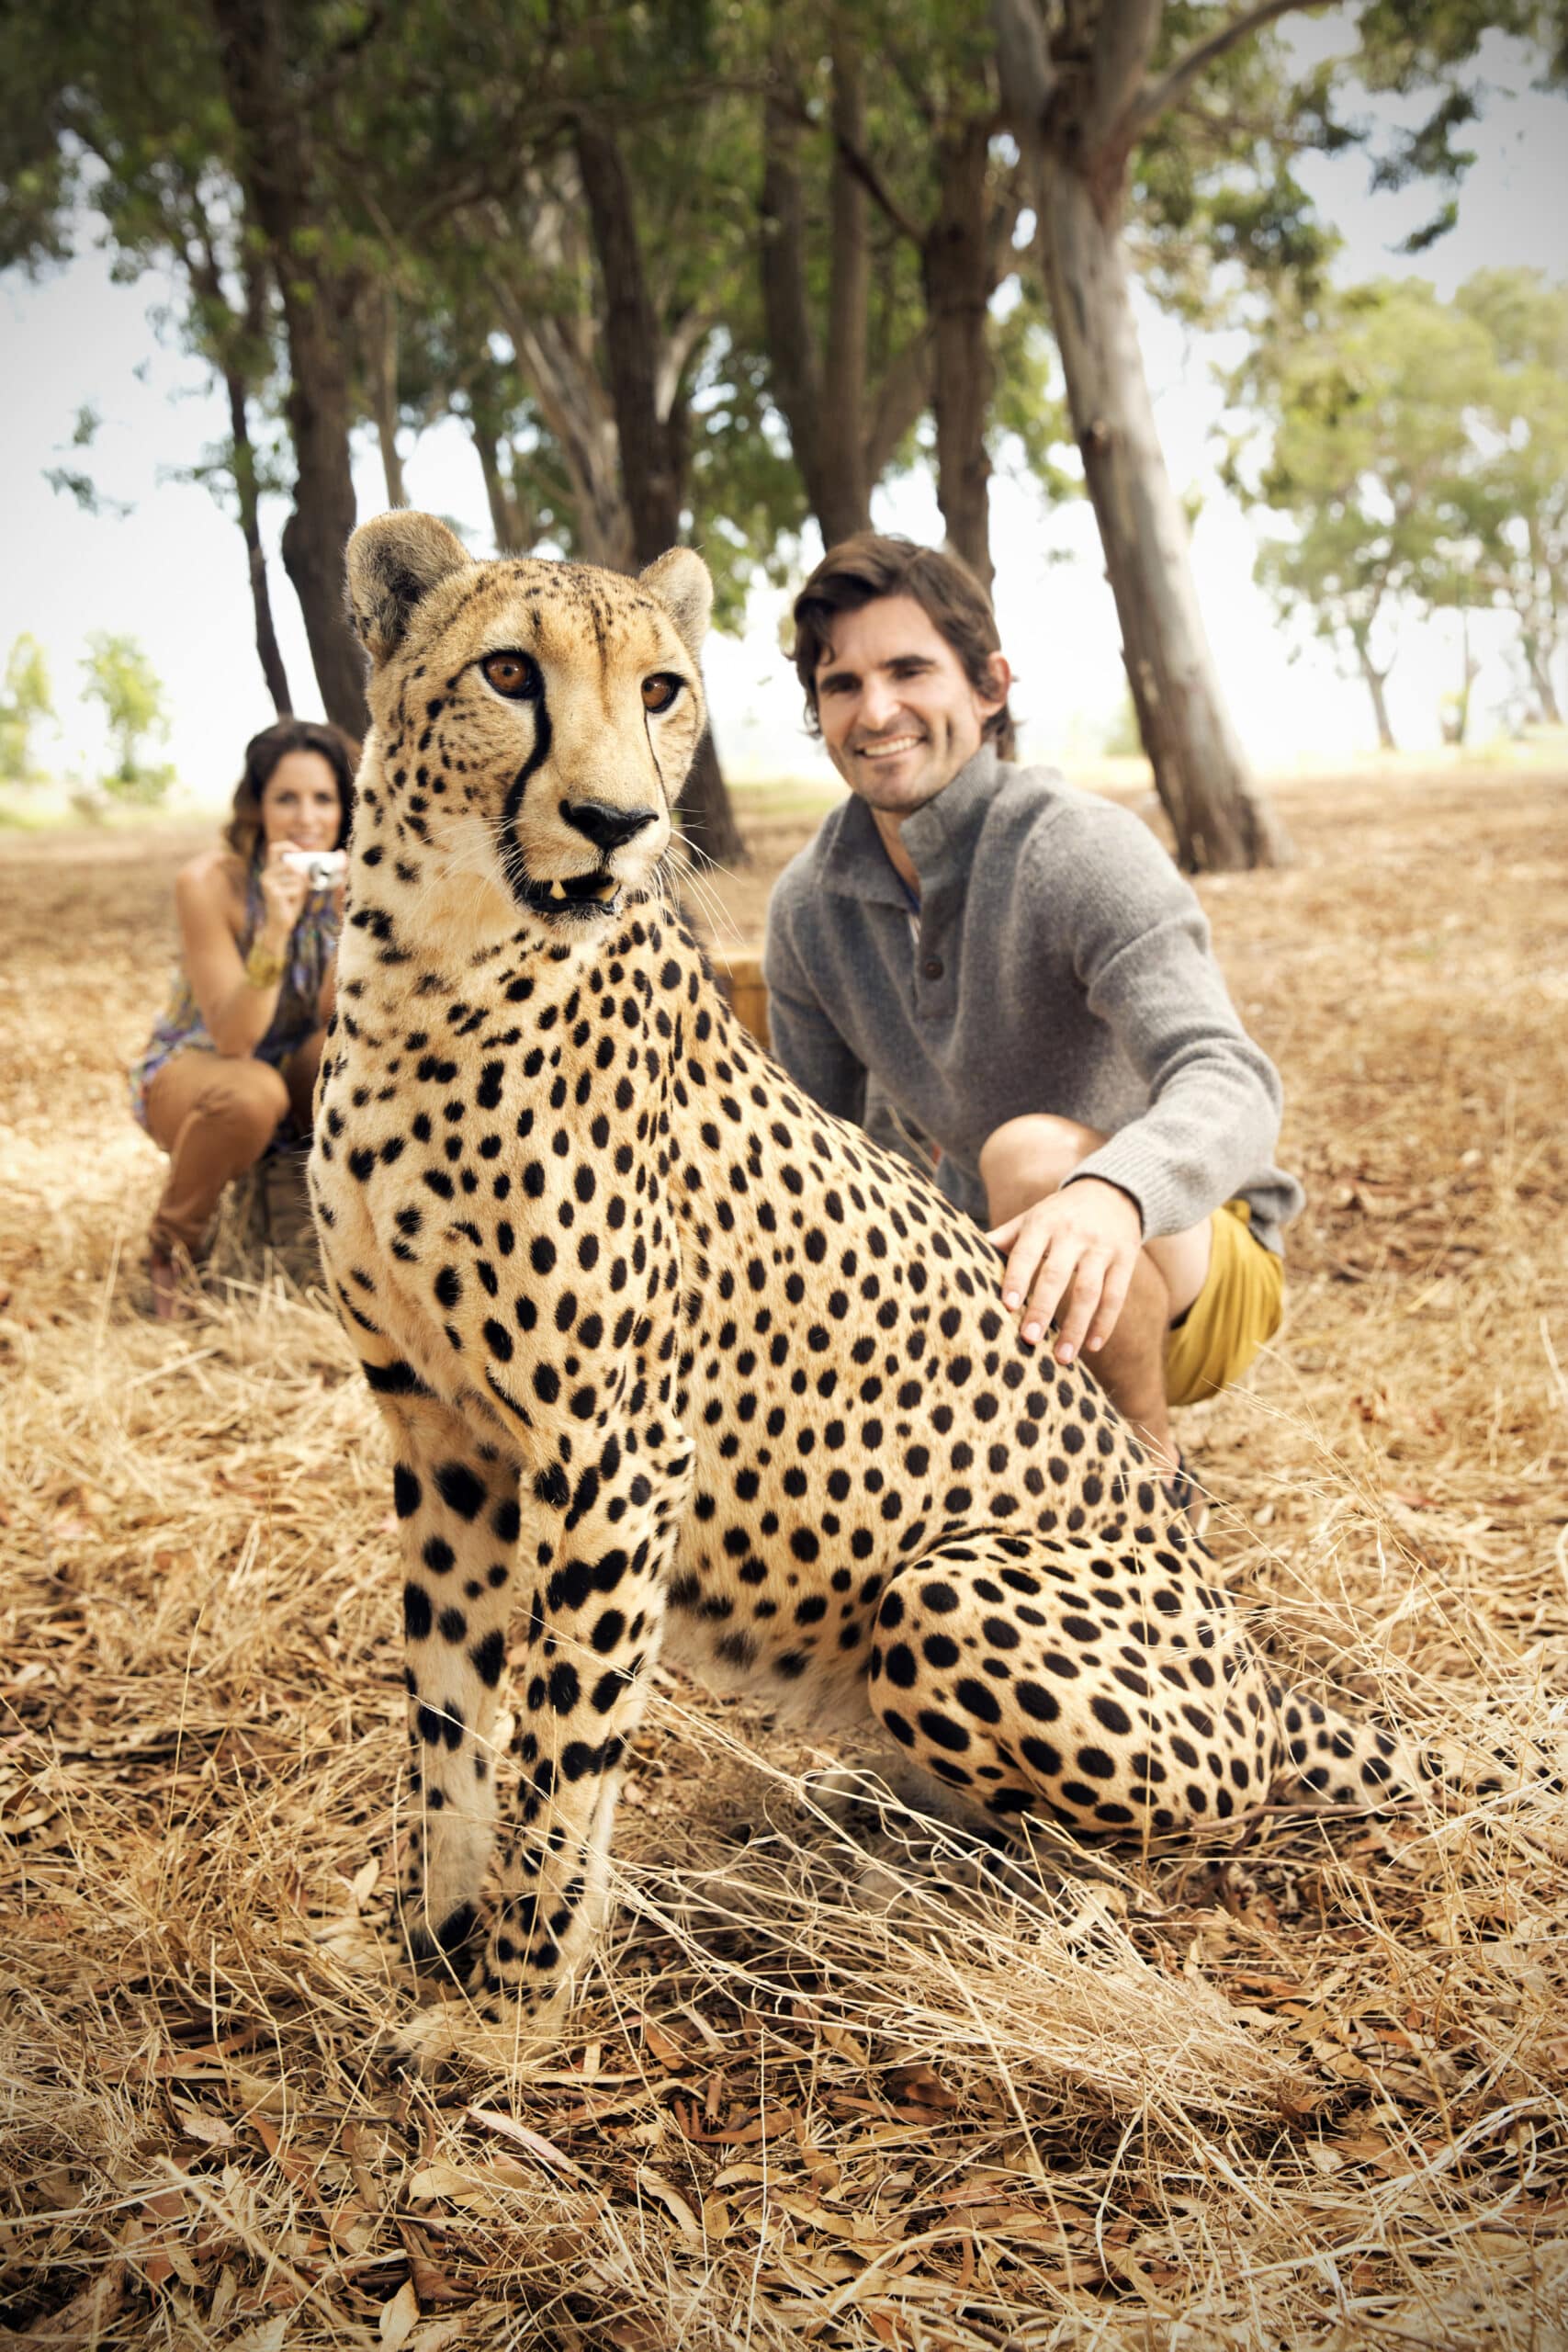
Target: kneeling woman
point(236, 1053)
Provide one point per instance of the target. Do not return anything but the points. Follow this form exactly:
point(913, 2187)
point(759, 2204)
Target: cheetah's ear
point(682, 585)
point(392, 562)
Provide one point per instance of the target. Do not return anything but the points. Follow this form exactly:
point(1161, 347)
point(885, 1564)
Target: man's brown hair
point(872, 564)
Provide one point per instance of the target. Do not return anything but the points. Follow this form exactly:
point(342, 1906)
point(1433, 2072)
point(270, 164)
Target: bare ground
point(1306, 2089)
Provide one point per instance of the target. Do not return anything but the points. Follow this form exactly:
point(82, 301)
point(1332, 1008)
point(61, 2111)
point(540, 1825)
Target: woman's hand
point(284, 892)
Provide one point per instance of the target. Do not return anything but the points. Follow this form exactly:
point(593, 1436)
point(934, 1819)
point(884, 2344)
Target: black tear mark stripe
point(513, 802)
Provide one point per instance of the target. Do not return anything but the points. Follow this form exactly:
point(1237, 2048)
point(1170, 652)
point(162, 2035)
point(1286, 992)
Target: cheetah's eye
point(516, 675)
point(660, 691)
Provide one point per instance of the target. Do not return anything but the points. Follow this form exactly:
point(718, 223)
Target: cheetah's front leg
point(598, 1562)
point(457, 1512)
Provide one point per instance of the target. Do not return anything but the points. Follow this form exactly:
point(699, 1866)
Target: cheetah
point(676, 1366)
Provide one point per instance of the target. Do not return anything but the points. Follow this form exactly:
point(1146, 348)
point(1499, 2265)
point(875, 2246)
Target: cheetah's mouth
point(596, 893)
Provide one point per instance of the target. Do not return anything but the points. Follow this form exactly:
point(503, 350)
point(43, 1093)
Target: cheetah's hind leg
point(1043, 1681)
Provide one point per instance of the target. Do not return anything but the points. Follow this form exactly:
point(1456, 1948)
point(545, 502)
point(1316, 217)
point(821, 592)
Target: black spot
point(459, 1489)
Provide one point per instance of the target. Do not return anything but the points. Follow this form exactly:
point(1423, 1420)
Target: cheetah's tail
point(1346, 1762)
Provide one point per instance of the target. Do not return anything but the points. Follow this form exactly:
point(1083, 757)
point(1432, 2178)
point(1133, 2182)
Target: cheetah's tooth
point(558, 889)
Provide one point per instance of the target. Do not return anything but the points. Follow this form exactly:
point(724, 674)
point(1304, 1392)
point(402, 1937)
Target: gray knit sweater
point(1062, 965)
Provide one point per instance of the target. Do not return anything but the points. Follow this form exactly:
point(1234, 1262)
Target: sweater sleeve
point(1141, 948)
point(805, 1037)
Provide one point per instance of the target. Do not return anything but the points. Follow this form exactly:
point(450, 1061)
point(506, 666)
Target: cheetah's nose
point(606, 825)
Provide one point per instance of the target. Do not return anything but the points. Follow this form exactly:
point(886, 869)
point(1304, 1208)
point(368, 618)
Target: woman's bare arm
point(236, 1012)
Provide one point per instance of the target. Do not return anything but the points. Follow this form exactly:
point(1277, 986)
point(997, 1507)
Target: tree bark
point(509, 525)
point(1077, 120)
point(1538, 662)
point(1201, 770)
point(383, 374)
point(246, 492)
point(955, 266)
point(275, 168)
point(841, 456)
point(1374, 680)
point(652, 445)
point(822, 397)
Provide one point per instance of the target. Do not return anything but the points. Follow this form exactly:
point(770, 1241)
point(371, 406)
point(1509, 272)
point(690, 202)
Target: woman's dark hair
point(872, 564)
point(263, 754)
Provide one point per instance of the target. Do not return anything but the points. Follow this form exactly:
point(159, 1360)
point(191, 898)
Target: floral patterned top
point(311, 947)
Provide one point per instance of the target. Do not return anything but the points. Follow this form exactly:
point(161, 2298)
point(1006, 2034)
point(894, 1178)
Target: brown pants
point(215, 1116)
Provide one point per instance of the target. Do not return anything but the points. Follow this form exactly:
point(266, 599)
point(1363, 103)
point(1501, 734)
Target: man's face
point(899, 716)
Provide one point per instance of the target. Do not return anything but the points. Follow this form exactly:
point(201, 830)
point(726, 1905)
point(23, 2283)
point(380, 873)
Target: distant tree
point(123, 681)
point(26, 701)
point(144, 158)
point(1514, 496)
point(1368, 403)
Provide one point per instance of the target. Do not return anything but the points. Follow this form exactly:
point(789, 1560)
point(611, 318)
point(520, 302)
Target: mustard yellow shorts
point(1240, 1306)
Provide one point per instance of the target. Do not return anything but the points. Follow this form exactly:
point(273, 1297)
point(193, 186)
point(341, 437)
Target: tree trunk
point(1201, 770)
point(651, 456)
point(245, 489)
point(383, 373)
point(845, 484)
point(954, 268)
point(510, 526)
point(1374, 679)
point(1380, 707)
point(823, 400)
point(653, 447)
point(275, 167)
point(1538, 662)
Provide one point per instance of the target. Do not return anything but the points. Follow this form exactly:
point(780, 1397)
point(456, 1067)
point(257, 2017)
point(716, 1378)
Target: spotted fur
point(675, 1365)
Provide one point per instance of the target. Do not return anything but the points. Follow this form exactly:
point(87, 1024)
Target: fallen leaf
point(489, 2119)
point(656, 2186)
point(212, 2131)
point(399, 2318)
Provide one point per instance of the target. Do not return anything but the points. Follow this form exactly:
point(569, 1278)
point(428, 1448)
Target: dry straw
point(1306, 2090)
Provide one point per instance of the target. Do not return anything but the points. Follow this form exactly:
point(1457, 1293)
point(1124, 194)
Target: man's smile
point(891, 748)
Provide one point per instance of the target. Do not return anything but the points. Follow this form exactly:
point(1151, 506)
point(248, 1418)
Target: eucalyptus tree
point(1119, 102)
point(144, 162)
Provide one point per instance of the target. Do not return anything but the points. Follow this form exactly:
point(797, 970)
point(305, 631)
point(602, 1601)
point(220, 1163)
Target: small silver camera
point(322, 868)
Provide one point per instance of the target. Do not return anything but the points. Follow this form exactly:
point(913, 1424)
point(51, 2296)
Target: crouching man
point(972, 957)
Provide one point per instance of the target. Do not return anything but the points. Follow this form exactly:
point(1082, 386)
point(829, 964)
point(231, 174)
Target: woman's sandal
point(171, 1296)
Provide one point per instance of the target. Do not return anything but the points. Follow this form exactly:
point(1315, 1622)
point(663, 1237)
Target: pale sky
point(171, 572)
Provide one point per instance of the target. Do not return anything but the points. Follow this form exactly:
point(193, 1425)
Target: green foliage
point(1420, 452)
point(26, 703)
point(1366, 401)
point(123, 681)
point(1513, 497)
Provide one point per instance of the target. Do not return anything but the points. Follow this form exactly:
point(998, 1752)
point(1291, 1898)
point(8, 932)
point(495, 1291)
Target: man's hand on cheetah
point(1072, 1253)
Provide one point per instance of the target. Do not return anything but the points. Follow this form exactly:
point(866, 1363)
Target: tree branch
point(1124, 32)
point(1025, 77)
point(861, 165)
point(1158, 95)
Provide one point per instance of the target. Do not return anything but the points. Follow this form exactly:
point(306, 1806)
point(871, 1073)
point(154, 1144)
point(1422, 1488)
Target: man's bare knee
point(1027, 1157)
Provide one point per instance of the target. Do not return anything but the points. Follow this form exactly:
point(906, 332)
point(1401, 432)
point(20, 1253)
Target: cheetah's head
point(533, 721)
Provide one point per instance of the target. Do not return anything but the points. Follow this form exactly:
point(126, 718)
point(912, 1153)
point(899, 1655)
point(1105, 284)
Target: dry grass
point(1307, 2091)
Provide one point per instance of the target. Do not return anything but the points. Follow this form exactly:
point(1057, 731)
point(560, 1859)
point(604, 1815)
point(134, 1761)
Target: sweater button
point(932, 967)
